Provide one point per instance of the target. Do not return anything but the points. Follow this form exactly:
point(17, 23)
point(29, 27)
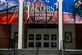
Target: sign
point(8, 11)
point(70, 13)
point(68, 37)
point(41, 11)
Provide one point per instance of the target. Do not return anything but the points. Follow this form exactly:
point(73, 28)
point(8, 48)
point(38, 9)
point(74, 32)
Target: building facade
point(40, 28)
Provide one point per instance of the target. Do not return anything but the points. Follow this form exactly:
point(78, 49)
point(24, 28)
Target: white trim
point(74, 50)
point(5, 49)
point(41, 49)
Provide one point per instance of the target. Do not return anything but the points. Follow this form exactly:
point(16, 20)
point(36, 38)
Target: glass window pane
point(31, 44)
point(46, 36)
point(46, 44)
point(53, 44)
point(53, 37)
point(31, 36)
point(38, 36)
point(38, 44)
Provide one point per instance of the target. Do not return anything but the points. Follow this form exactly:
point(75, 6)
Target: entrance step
point(39, 52)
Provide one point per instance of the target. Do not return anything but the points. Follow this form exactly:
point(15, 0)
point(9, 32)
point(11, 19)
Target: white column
point(60, 25)
point(20, 26)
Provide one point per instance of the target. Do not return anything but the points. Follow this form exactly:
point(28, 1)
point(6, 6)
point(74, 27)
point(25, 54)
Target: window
point(31, 36)
point(46, 44)
point(31, 44)
point(53, 37)
point(38, 36)
point(53, 44)
point(38, 44)
point(16, 36)
point(46, 36)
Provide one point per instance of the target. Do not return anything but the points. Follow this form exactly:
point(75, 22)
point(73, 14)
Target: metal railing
point(71, 48)
point(11, 50)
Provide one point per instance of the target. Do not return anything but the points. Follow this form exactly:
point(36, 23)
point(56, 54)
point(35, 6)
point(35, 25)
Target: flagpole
point(20, 26)
point(60, 25)
point(7, 13)
point(46, 13)
point(28, 11)
point(34, 12)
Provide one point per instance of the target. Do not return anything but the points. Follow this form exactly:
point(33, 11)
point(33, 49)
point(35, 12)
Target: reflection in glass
point(53, 37)
point(38, 44)
point(31, 36)
point(31, 44)
point(46, 44)
point(38, 36)
point(53, 44)
point(46, 36)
